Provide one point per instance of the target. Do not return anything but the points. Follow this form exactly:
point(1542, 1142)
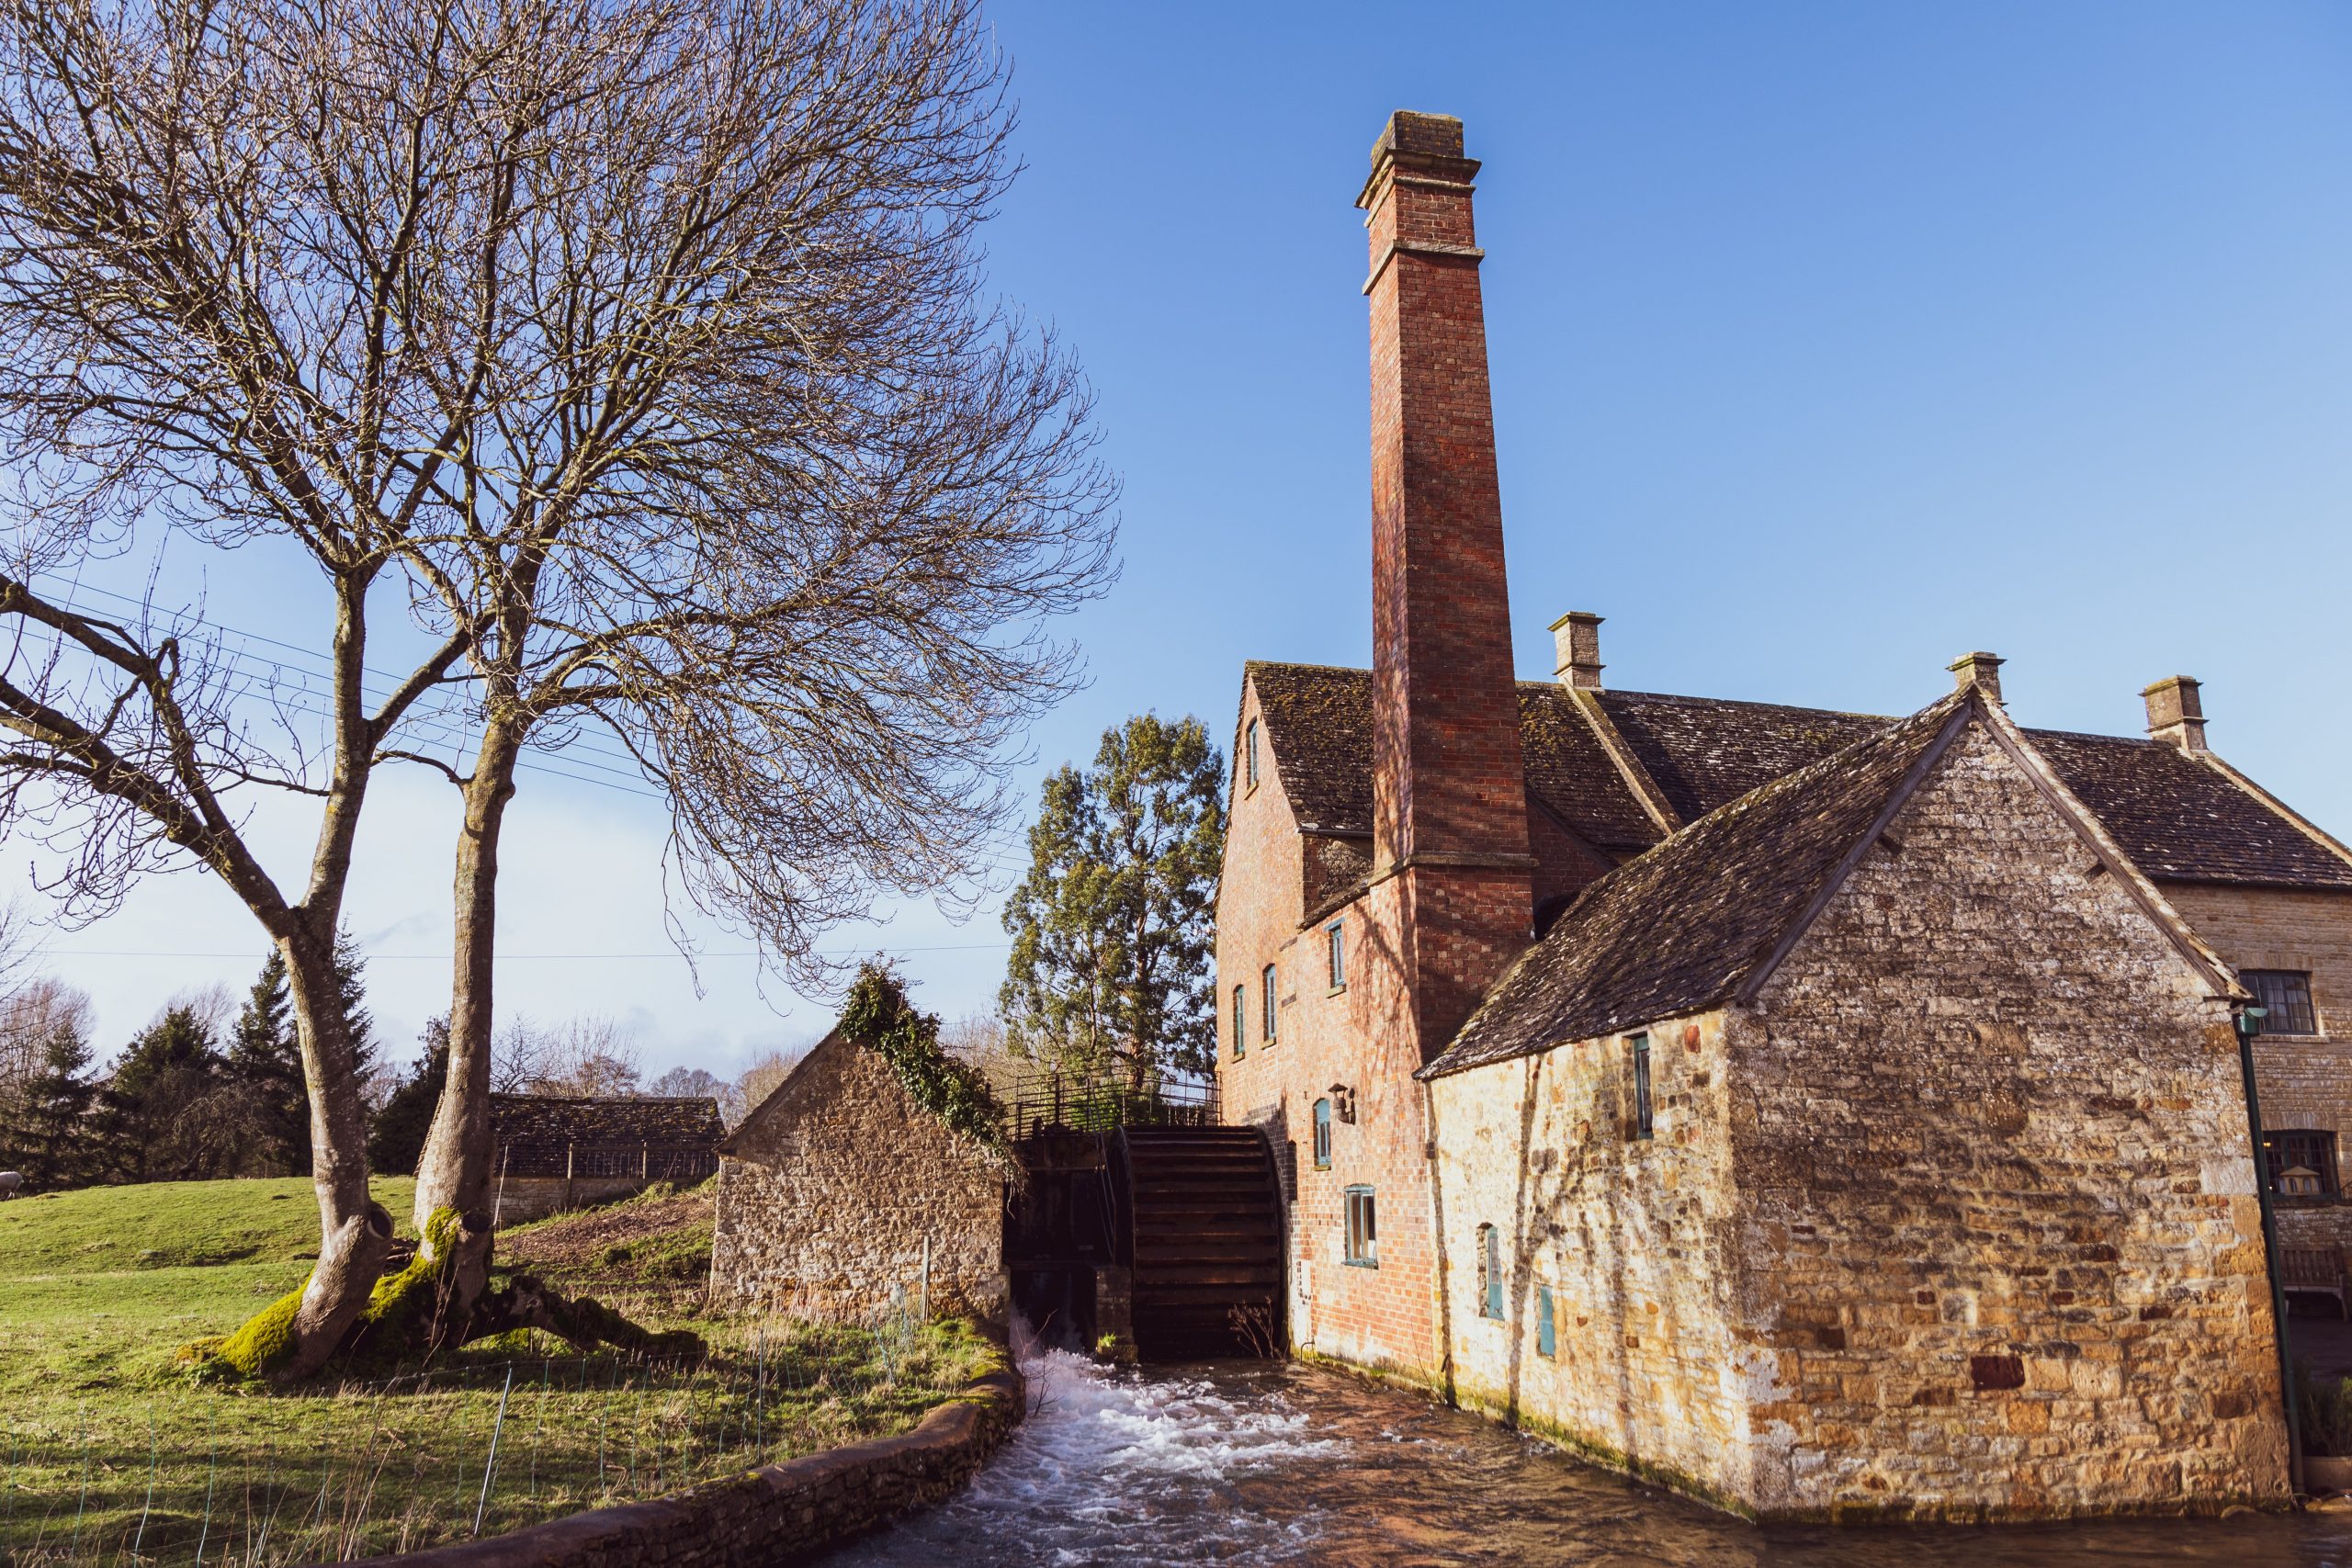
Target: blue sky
point(1828, 342)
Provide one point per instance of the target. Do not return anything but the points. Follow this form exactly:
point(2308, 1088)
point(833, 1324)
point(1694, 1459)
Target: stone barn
point(557, 1152)
point(841, 1198)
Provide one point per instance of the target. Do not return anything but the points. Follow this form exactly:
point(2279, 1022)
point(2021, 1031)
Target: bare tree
point(582, 1056)
point(764, 491)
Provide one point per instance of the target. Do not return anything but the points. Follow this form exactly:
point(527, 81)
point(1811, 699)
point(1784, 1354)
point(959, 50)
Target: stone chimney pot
point(1575, 637)
point(1980, 670)
point(2176, 712)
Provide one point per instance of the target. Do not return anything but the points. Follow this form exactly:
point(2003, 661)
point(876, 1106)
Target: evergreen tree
point(1114, 925)
point(351, 990)
point(163, 1120)
point(265, 1061)
point(396, 1137)
point(53, 1136)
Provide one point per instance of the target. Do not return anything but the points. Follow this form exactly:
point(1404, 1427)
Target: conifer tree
point(266, 1063)
point(1114, 925)
point(396, 1137)
point(53, 1138)
point(162, 1118)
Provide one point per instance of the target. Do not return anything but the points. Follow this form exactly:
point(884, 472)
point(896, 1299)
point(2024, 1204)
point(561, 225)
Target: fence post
point(924, 1303)
point(644, 1161)
point(569, 1149)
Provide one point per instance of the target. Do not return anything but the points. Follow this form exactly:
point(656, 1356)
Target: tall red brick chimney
point(1450, 784)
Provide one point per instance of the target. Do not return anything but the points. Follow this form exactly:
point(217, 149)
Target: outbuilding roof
point(544, 1119)
point(2180, 818)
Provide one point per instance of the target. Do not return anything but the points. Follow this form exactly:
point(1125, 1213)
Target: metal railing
point(1051, 1099)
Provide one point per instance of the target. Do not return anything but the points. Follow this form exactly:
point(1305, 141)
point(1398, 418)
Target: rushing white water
point(1116, 1463)
point(1278, 1463)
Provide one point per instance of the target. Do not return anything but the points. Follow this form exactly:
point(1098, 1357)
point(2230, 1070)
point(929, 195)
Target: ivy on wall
point(879, 1018)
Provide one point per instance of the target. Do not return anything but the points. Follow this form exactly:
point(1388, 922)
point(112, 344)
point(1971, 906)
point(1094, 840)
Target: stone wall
point(2304, 1081)
point(522, 1198)
point(1635, 1239)
point(1959, 1222)
point(832, 1187)
point(779, 1513)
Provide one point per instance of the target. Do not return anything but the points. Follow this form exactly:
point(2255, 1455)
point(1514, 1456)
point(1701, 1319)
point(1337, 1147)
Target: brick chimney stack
point(2176, 712)
point(1449, 781)
point(1575, 643)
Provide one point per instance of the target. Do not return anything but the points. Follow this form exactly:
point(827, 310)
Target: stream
point(1277, 1462)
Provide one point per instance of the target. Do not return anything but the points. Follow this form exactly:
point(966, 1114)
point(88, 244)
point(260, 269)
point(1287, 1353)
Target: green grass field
point(110, 1452)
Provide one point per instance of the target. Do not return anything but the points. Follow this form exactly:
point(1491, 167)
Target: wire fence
point(184, 1474)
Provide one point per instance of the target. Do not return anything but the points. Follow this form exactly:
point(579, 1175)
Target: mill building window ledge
point(1336, 991)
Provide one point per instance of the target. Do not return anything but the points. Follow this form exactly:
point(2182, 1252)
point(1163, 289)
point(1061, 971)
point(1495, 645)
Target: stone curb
point(779, 1513)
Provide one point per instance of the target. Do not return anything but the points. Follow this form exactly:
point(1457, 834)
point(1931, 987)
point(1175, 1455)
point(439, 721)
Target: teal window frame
point(1335, 938)
point(1546, 1336)
point(1360, 1229)
point(1322, 1134)
point(1249, 754)
point(1270, 1022)
point(1241, 1021)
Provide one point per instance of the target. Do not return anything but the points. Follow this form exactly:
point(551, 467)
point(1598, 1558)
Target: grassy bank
point(109, 1452)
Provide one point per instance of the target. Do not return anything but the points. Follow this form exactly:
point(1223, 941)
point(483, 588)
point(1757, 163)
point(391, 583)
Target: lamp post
point(2248, 1023)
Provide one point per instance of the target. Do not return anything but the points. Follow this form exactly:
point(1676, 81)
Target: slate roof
point(1677, 929)
point(544, 1119)
point(2179, 819)
point(1318, 727)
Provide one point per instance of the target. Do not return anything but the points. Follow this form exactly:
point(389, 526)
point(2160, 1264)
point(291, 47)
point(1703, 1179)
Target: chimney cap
point(1430, 135)
point(1980, 670)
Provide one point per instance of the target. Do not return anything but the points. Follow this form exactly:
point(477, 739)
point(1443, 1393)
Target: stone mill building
point(1826, 1113)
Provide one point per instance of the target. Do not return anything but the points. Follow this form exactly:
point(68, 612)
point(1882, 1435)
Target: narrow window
point(1491, 1273)
point(2302, 1163)
point(1362, 1233)
point(1546, 1338)
point(1335, 936)
point(1249, 755)
point(1644, 1124)
point(1266, 983)
point(1241, 1020)
point(1322, 1134)
point(2284, 996)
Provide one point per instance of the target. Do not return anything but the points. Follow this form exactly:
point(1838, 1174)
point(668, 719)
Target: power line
point(533, 957)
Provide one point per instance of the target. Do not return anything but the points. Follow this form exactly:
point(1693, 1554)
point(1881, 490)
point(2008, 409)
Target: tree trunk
point(454, 1171)
point(354, 1232)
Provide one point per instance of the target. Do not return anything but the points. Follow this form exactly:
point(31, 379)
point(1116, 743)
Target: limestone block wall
point(521, 1198)
point(833, 1186)
point(1634, 1239)
point(2303, 1081)
point(1999, 1236)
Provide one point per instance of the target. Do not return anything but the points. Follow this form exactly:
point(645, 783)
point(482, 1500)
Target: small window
point(1322, 1134)
point(1266, 984)
point(1643, 1122)
point(2284, 996)
point(2302, 1163)
point(1363, 1233)
point(1241, 1020)
point(1249, 756)
point(1546, 1338)
point(1491, 1273)
point(1335, 938)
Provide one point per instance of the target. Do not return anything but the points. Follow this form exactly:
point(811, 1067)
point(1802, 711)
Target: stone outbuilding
point(556, 1152)
point(841, 1198)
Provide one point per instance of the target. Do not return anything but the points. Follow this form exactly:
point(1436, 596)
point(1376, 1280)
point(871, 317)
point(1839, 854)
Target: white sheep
point(9, 1182)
